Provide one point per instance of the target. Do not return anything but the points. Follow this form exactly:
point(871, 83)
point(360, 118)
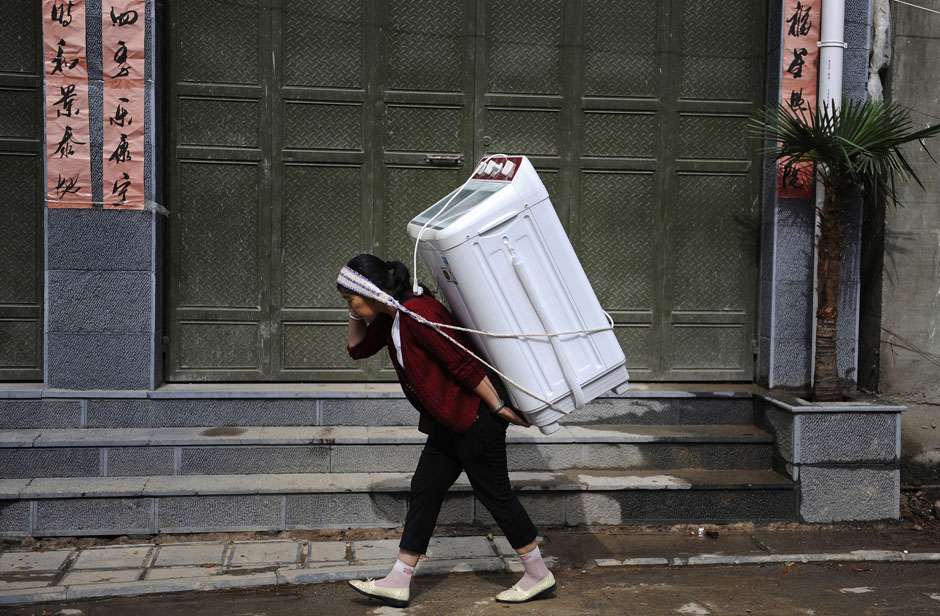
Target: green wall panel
point(617, 134)
point(19, 231)
point(524, 46)
point(20, 344)
point(227, 51)
point(620, 55)
point(424, 45)
point(319, 227)
point(218, 236)
point(617, 238)
point(325, 40)
point(533, 131)
point(220, 122)
point(323, 126)
point(720, 46)
point(220, 346)
point(423, 129)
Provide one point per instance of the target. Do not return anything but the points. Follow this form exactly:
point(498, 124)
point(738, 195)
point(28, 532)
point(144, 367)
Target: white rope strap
point(534, 335)
point(359, 284)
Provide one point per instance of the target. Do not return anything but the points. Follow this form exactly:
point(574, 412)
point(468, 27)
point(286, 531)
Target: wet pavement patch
point(223, 431)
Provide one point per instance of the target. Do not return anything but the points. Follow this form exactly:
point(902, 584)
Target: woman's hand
point(488, 394)
point(509, 415)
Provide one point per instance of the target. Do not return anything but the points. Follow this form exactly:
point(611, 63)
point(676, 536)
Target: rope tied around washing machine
point(360, 285)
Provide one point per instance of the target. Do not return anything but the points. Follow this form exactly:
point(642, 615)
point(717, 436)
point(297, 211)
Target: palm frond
point(857, 143)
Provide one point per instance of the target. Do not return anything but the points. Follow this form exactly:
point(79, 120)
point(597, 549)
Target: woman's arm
point(488, 394)
point(367, 340)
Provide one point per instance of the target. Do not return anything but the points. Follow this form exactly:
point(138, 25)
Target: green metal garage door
point(21, 179)
point(299, 130)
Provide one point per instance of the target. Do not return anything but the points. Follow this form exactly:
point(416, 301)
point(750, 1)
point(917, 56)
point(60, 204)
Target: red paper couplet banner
point(123, 26)
point(68, 154)
point(798, 85)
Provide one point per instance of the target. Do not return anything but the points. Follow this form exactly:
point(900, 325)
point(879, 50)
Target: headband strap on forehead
point(360, 285)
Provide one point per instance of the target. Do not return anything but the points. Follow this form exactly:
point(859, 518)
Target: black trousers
point(481, 452)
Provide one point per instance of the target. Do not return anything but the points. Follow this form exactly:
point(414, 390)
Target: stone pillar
point(104, 267)
point(785, 343)
point(855, 63)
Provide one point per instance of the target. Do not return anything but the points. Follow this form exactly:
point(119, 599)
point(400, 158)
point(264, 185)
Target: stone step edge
point(764, 559)
point(352, 390)
point(319, 483)
point(363, 435)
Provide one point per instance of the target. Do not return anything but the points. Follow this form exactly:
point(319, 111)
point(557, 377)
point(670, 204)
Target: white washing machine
point(503, 262)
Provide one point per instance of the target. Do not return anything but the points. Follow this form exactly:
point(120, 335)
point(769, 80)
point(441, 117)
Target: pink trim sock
point(535, 569)
point(398, 577)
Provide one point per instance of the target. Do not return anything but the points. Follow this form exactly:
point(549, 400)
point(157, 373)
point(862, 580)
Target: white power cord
point(415, 287)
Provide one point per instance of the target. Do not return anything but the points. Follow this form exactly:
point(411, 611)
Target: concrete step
point(148, 505)
point(92, 452)
point(268, 405)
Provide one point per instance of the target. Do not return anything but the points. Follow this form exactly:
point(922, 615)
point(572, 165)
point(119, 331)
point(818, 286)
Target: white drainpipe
point(831, 47)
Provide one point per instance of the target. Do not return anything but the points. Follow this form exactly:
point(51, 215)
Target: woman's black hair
point(390, 276)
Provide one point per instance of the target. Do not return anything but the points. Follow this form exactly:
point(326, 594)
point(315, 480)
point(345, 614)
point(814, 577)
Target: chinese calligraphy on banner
point(798, 85)
point(68, 158)
point(123, 62)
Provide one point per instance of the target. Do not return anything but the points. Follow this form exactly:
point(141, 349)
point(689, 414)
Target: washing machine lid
point(495, 194)
point(469, 196)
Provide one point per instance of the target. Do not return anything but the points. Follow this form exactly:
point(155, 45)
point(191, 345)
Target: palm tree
point(853, 146)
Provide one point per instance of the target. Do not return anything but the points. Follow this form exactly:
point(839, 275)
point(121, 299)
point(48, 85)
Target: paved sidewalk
point(78, 573)
point(81, 573)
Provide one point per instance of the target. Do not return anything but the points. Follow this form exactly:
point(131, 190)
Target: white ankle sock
point(535, 569)
point(398, 577)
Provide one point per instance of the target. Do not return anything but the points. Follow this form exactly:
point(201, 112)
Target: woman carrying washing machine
point(460, 411)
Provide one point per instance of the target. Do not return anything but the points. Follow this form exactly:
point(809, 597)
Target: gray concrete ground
point(775, 569)
point(826, 589)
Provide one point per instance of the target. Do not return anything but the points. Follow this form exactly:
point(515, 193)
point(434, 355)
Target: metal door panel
point(219, 191)
point(633, 113)
point(21, 175)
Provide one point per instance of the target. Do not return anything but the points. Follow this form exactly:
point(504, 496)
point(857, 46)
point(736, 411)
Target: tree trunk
point(828, 279)
point(826, 377)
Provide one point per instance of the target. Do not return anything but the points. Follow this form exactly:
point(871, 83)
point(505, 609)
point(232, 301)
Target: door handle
point(444, 159)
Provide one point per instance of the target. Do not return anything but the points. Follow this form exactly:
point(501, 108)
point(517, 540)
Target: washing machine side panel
point(477, 299)
point(448, 285)
point(582, 310)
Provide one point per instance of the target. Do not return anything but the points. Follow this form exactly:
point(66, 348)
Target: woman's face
point(361, 307)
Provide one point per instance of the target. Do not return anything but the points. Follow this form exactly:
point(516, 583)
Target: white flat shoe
point(543, 588)
point(396, 597)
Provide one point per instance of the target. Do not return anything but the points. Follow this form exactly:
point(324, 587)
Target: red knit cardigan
point(439, 377)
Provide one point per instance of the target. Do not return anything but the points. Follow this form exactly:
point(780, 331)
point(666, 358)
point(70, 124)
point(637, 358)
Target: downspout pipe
point(831, 50)
point(829, 92)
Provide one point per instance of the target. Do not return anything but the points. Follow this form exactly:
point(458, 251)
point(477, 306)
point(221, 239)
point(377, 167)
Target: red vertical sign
point(68, 158)
point(800, 68)
point(123, 61)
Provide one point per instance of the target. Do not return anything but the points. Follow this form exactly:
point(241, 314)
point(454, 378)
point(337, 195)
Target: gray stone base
point(838, 493)
point(844, 456)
